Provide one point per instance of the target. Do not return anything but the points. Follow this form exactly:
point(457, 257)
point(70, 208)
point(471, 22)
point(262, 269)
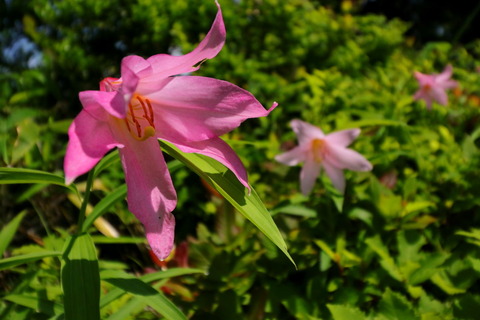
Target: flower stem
point(88, 187)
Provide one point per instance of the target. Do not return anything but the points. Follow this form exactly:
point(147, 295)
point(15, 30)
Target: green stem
point(83, 208)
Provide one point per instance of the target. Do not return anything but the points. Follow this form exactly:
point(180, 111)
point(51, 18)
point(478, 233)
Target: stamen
point(139, 121)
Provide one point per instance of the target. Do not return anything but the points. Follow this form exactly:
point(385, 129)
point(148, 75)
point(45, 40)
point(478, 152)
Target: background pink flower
point(318, 150)
point(433, 87)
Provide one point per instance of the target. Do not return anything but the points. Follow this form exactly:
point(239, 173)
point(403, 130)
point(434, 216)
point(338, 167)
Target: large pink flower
point(432, 87)
point(318, 150)
point(149, 102)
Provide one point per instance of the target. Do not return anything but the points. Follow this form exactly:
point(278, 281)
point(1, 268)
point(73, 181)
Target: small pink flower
point(318, 150)
point(432, 87)
point(149, 102)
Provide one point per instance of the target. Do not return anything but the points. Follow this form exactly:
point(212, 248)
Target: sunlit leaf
point(26, 258)
point(20, 175)
point(340, 312)
point(8, 231)
point(139, 288)
point(225, 182)
point(37, 303)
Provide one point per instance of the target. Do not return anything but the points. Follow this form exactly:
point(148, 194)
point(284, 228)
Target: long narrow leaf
point(43, 305)
point(154, 298)
point(104, 205)
point(80, 279)
point(225, 182)
point(20, 175)
point(7, 232)
point(26, 258)
point(167, 274)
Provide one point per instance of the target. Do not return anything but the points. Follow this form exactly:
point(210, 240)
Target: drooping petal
point(165, 65)
point(308, 175)
point(219, 150)
point(191, 108)
point(151, 196)
point(89, 140)
point(343, 138)
point(305, 131)
point(293, 156)
point(111, 102)
point(336, 176)
point(344, 158)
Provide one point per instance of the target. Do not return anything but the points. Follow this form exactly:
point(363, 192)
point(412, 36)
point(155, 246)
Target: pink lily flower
point(432, 87)
point(318, 150)
point(150, 102)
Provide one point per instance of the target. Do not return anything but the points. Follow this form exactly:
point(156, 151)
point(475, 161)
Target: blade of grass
point(7, 233)
point(26, 258)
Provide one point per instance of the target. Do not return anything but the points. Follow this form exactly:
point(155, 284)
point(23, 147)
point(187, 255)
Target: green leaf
point(20, 175)
point(394, 306)
point(36, 303)
point(7, 233)
point(80, 279)
point(296, 210)
point(340, 312)
point(167, 274)
point(108, 160)
point(124, 240)
point(26, 258)
point(387, 262)
point(128, 309)
point(102, 207)
point(226, 183)
point(139, 288)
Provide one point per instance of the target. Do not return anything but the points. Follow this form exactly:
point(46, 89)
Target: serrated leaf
point(225, 182)
point(7, 233)
point(386, 261)
point(26, 258)
point(394, 306)
point(80, 279)
point(341, 312)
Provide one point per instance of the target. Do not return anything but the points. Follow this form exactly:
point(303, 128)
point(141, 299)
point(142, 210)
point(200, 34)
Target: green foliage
point(401, 243)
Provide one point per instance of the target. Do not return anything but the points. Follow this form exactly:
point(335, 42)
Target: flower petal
point(305, 131)
point(336, 176)
point(344, 158)
point(343, 138)
point(112, 102)
point(445, 75)
point(308, 176)
point(219, 150)
point(89, 140)
point(165, 65)
point(292, 157)
point(191, 108)
point(151, 195)
point(439, 95)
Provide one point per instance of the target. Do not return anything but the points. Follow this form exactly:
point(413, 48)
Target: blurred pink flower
point(432, 87)
point(150, 102)
point(318, 150)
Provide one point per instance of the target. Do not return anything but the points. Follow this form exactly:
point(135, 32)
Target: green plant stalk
point(83, 208)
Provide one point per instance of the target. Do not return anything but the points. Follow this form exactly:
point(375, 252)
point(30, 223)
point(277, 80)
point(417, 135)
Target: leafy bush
point(401, 243)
